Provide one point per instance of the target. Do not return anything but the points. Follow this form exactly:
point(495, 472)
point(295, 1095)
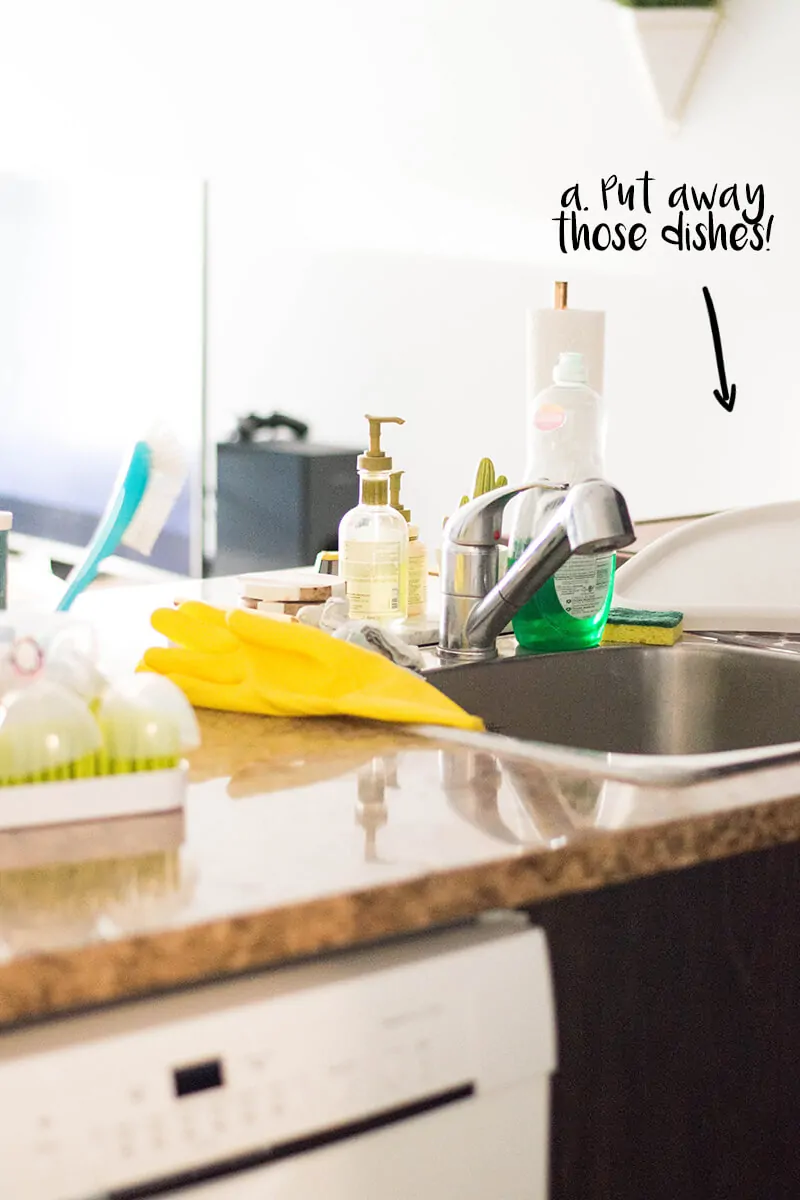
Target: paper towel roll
point(551, 331)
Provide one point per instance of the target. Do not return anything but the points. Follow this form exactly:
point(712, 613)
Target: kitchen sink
point(697, 697)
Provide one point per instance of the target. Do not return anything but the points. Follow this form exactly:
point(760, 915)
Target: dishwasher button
point(341, 1086)
point(44, 1168)
point(156, 1134)
point(276, 1100)
point(248, 1106)
point(424, 1060)
point(126, 1145)
point(257, 1062)
point(189, 1130)
point(45, 1149)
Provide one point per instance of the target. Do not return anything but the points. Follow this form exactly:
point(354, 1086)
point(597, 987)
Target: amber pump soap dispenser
point(373, 539)
point(417, 554)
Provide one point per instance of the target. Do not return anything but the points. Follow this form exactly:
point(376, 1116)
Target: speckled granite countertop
point(305, 836)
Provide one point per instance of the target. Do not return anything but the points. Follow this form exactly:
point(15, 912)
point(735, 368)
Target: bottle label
point(417, 583)
point(374, 576)
point(582, 584)
point(549, 417)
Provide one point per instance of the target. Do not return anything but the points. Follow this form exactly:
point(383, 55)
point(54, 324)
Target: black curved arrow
point(725, 397)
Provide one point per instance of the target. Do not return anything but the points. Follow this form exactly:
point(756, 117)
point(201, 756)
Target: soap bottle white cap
point(570, 368)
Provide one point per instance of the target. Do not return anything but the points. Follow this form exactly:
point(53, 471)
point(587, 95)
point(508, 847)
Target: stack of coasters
point(283, 593)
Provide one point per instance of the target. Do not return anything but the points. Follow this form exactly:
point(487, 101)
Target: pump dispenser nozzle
point(374, 459)
point(394, 495)
point(373, 539)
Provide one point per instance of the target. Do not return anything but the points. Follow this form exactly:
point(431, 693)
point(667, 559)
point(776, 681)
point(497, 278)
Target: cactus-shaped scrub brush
point(484, 478)
point(485, 481)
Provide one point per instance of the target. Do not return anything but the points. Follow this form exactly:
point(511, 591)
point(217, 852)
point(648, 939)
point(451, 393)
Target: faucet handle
point(480, 523)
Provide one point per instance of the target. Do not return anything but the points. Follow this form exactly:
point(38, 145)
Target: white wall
point(383, 178)
point(101, 338)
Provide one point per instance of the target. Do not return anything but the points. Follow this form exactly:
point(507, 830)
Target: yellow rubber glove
point(241, 661)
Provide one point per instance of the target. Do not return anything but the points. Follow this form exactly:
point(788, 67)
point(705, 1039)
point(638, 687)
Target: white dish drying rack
point(102, 797)
point(736, 571)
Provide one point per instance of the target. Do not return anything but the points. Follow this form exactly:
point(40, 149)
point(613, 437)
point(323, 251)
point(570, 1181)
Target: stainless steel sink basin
point(694, 698)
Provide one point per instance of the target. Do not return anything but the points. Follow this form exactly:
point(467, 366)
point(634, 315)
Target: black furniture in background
point(279, 503)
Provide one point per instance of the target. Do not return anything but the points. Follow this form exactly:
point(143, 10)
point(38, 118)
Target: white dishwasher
point(416, 1070)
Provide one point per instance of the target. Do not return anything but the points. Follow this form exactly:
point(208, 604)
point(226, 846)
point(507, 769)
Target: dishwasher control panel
point(159, 1088)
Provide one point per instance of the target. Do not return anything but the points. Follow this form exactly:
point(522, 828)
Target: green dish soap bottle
point(566, 443)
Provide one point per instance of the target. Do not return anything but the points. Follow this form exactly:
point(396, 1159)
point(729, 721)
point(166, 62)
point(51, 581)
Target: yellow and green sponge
point(633, 626)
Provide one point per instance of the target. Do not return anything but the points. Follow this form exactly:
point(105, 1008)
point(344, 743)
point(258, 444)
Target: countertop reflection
point(302, 836)
point(307, 835)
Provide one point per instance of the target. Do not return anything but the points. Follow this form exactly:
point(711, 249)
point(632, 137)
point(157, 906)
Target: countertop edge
point(38, 986)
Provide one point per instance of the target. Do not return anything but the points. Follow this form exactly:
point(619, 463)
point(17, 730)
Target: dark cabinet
point(678, 1002)
point(280, 503)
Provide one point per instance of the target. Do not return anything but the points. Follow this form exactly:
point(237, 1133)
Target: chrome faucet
point(587, 518)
